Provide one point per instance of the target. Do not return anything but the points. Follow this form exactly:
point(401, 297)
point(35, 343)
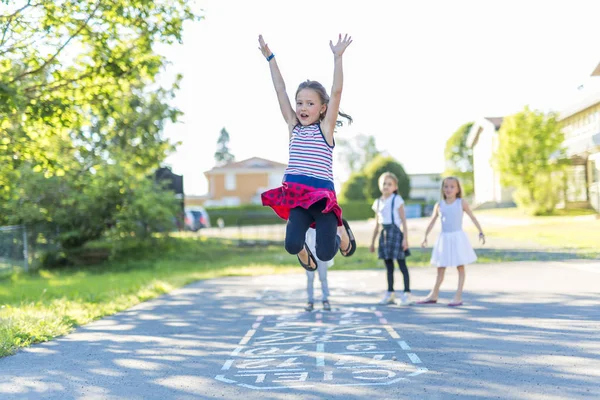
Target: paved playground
point(527, 331)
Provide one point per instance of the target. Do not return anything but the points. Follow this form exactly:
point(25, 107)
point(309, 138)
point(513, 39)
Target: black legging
point(300, 219)
point(389, 265)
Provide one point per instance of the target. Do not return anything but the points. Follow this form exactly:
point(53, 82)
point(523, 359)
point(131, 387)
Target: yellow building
point(242, 182)
point(581, 126)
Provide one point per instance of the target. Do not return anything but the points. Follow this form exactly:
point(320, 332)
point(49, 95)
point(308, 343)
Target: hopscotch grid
point(341, 329)
point(320, 337)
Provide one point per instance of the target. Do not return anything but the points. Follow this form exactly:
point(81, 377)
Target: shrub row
point(260, 215)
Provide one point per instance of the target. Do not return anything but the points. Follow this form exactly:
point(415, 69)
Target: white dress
point(452, 247)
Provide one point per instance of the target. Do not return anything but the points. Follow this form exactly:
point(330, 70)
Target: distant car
point(196, 219)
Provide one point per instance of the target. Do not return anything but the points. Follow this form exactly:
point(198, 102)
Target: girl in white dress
point(452, 248)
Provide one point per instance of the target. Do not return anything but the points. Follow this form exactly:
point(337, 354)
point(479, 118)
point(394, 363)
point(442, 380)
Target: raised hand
point(339, 48)
point(264, 48)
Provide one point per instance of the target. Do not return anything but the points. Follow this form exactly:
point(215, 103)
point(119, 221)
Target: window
point(230, 182)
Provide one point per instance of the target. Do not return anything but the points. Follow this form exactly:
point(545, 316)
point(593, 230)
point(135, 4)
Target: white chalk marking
point(414, 358)
point(299, 377)
point(280, 356)
point(392, 332)
point(367, 352)
point(367, 367)
point(237, 350)
point(260, 378)
point(248, 336)
point(223, 379)
point(320, 357)
point(274, 387)
point(361, 347)
point(403, 345)
point(328, 376)
point(289, 363)
point(227, 365)
point(419, 371)
point(389, 374)
point(273, 370)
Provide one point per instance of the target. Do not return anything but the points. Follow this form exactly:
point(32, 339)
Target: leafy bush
point(354, 188)
point(378, 166)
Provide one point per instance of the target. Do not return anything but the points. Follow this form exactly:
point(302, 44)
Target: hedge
point(260, 215)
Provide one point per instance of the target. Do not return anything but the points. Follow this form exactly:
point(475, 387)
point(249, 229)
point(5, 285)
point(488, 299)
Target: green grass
point(570, 233)
point(513, 212)
point(38, 307)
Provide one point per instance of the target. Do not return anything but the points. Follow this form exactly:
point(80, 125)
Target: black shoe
point(309, 307)
point(347, 252)
point(312, 261)
point(326, 306)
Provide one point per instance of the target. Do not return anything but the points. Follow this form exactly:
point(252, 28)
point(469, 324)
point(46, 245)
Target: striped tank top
point(311, 158)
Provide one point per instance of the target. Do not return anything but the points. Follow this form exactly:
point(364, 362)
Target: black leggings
point(300, 219)
point(389, 265)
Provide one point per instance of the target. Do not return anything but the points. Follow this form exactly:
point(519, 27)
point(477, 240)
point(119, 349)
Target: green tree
point(530, 157)
point(354, 188)
point(378, 166)
point(223, 154)
point(81, 114)
point(357, 153)
point(459, 158)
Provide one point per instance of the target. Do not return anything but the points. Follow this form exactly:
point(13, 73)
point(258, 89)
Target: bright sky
point(415, 72)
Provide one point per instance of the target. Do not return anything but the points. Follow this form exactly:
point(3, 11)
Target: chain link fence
point(24, 247)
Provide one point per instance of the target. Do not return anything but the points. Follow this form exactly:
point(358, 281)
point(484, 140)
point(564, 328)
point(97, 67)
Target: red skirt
point(291, 195)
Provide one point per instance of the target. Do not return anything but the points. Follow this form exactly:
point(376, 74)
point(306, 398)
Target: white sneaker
point(406, 299)
point(389, 298)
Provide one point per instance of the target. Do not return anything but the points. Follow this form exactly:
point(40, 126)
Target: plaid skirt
point(290, 195)
point(390, 243)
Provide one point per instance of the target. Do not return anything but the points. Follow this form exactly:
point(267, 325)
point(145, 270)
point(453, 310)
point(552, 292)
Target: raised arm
point(434, 217)
point(333, 108)
point(467, 209)
point(284, 101)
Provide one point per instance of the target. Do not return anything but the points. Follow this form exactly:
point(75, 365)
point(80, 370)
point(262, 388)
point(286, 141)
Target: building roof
point(497, 121)
point(250, 164)
point(477, 128)
point(585, 101)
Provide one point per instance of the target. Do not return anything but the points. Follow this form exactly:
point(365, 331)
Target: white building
point(580, 122)
point(425, 186)
point(483, 139)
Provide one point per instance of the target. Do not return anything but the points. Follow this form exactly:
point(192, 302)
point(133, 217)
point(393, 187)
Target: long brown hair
point(320, 90)
point(458, 195)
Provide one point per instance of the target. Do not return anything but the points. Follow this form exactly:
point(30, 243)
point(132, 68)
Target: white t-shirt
point(311, 241)
point(383, 209)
